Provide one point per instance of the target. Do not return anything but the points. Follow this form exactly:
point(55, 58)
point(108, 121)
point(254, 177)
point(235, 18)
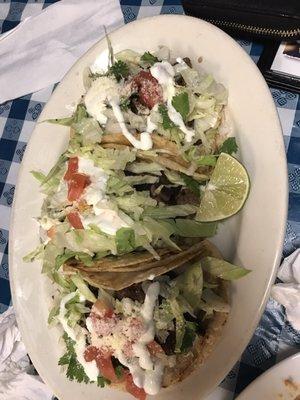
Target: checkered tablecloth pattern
point(274, 339)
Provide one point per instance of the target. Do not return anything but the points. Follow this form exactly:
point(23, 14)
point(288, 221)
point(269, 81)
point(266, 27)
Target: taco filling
point(140, 294)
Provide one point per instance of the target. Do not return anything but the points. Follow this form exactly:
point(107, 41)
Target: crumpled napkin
point(42, 48)
point(15, 381)
point(288, 292)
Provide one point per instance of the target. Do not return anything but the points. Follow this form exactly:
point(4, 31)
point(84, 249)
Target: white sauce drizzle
point(101, 90)
point(145, 142)
point(90, 367)
point(152, 374)
point(96, 189)
point(106, 219)
point(164, 73)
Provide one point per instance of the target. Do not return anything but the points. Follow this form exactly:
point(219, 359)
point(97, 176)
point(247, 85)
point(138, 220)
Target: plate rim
point(265, 374)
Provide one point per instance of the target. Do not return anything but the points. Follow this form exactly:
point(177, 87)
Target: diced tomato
point(106, 367)
point(131, 387)
point(155, 348)
point(72, 168)
point(75, 220)
point(103, 361)
point(76, 186)
point(51, 232)
point(149, 90)
point(90, 353)
point(103, 308)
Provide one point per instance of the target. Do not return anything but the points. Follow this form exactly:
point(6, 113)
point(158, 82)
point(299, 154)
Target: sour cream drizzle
point(164, 73)
point(145, 142)
point(90, 367)
point(151, 377)
point(105, 218)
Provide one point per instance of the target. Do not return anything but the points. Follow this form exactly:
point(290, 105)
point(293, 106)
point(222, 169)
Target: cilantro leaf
point(229, 146)
point(119, 69)
point(191, 184)
point(189, 336)
point(119, 371)
point(181, 104)
point(62, 258)
point(75, 370)
point(101, 381)
point(124, 103)
point(167, 123)
point(149, 58)
point(125, 240)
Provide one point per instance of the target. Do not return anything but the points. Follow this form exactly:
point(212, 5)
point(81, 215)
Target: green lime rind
point(226, 192)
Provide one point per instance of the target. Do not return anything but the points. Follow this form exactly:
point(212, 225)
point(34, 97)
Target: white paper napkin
point(288, 292)
point(15, 382)
point(42, 48)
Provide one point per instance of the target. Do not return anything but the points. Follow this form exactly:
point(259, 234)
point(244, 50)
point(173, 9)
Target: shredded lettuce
point(144, 167)
point(83, 288)
point(51, 252)
point(140, 179)
point(170, 211)
point(158, 230)
point(62, 281)
point(112, 158)
point(190, 284)
point(214, 301)
point(128, 56)
point(87, 241)
point(62, 258)
point(191, 228)
point(135, 203)
point(38, 176)
point(78, 115)
point(174, 177)
point(125, 240)
point(89, 129)
point(118, 184)
point(223, 269)
point(36, 254)
point(52, 314)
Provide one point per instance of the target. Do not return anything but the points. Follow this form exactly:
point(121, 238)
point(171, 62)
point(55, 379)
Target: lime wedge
point(226, 192)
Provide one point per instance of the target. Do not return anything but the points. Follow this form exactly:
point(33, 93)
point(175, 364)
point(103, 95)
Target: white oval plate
point(253, 238)
point(281, 382)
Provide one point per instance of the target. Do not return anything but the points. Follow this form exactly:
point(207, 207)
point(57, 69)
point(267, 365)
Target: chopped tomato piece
point(51, 232)
point(149, 90)
point(103, 361)
point(131, 387)
point(103, 308)
point(76, 186)
point(72, 168)
point(155, 348)
point(90, 353)
point(106, 367)
point(75, 220)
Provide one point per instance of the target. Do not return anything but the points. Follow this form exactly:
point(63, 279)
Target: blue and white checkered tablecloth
point(274, 338)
